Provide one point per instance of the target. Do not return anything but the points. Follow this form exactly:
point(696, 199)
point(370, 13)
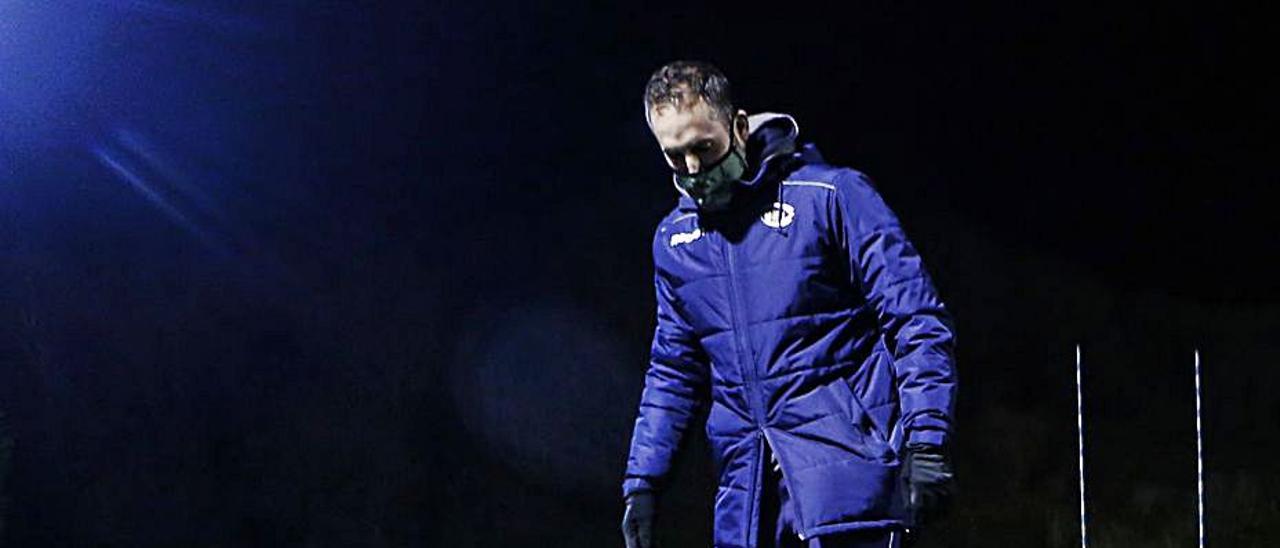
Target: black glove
point(929, 483)
point(637, 521)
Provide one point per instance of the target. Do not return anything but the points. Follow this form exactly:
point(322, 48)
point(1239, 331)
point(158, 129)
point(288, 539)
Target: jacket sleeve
point(917, 328)
point(675, 387)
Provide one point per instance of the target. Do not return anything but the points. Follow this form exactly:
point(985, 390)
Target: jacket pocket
point(880, 430)
point(863, 423)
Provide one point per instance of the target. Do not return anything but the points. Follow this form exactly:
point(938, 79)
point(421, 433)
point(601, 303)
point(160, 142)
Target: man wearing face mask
point(792, 310)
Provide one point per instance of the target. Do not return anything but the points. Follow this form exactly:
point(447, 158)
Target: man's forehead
point(676, 125)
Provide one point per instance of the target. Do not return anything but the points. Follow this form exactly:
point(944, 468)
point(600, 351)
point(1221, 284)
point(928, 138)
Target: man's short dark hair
point(677, 81)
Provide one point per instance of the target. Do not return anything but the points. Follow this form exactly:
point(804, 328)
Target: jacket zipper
point(740, 336)
point(749, 372)
point(757, 395)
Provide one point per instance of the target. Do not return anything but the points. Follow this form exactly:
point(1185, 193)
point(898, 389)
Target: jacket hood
point(771, 140)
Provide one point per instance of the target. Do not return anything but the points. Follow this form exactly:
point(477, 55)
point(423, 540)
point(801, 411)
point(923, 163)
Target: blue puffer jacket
point(805, 318)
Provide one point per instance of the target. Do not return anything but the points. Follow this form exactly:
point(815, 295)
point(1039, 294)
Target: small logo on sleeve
point(685, 237)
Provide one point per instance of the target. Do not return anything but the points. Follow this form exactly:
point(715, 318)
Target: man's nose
point(691, 163)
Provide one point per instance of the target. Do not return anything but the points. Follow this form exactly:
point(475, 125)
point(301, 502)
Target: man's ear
point(741, 128)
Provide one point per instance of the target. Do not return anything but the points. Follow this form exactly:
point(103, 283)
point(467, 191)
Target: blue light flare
point(143, 187)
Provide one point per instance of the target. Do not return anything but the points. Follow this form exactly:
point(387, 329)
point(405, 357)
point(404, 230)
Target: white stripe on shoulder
point(820, 184)
point(685, 216)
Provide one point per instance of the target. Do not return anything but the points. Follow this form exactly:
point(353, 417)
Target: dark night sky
point(322, 274)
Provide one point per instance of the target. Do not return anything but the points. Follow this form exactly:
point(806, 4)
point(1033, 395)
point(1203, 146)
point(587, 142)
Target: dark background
point(378, 274)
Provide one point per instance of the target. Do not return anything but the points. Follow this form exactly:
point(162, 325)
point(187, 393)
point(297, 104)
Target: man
point(790, 301)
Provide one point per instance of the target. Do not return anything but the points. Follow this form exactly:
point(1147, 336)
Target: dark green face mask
point(712, 187)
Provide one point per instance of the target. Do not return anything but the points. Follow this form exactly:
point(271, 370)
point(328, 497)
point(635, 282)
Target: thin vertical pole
point(1199, 459)
point(1084, 534)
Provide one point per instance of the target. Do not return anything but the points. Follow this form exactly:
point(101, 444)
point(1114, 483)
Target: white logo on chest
point(685, 237)
point(780, 215)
